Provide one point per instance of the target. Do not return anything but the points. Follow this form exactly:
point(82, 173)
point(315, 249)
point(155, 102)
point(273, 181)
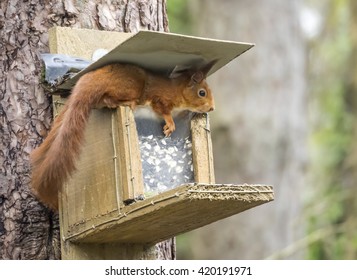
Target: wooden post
point(202, 153)
point(130, 163)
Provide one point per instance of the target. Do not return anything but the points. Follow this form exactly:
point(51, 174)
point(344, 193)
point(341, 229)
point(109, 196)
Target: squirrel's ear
point(197, 77)
point(201, 74)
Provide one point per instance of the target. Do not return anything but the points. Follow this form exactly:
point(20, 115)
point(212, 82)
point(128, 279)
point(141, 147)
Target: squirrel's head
point(197, 93)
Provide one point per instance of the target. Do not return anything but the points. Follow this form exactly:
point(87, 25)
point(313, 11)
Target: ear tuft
point(197, 77)
point(201, 74)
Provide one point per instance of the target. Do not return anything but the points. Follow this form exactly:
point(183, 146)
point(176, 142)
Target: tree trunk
point(259, 126)
point(28, 230)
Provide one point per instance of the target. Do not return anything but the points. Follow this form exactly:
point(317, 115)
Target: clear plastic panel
point(166, 161)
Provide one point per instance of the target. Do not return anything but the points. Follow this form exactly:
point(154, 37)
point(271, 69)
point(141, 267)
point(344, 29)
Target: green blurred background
point(285, 115)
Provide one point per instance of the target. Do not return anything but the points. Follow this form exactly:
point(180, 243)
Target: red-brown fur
point(110, 86)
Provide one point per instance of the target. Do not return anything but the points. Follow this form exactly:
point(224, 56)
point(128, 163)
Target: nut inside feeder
point(166, 161)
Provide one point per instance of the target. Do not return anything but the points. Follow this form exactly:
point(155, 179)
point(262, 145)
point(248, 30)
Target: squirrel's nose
point(211, 109)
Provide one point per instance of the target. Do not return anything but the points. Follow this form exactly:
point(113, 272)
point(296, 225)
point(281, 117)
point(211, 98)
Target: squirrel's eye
point(202, 93)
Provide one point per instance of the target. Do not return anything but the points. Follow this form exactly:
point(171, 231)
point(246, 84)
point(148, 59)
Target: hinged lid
point(162, 52)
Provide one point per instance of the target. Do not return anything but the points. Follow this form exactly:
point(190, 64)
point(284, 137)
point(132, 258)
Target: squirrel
point(114, 85)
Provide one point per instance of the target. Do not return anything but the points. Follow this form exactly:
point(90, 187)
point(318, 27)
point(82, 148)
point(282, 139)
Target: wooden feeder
point(126, 157)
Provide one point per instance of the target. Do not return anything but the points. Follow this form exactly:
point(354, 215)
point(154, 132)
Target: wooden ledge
point(168, 214)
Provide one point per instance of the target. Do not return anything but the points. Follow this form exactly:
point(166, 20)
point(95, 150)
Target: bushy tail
point(54, 161)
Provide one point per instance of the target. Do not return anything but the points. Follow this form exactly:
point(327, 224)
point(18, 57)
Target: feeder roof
point(163, 52)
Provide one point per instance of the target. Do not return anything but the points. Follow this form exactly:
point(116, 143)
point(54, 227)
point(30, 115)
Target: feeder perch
point(132, 185)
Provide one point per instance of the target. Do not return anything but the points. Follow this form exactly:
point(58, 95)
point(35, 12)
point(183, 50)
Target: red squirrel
point(111, 86)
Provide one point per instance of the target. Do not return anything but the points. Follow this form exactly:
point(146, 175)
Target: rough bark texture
point(27, 229)
point(259, 126)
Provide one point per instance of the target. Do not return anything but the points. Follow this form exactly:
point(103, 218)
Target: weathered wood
point(82, 42)
point(170, 213)
point(202, 154)
point(129, 155)
point(109, 251)
point(92, 190)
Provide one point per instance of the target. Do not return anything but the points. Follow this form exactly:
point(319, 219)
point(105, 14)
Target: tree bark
point(259, 125)
point(28, 230)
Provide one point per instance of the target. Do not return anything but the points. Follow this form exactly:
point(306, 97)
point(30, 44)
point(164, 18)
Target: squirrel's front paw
point(168, 129)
